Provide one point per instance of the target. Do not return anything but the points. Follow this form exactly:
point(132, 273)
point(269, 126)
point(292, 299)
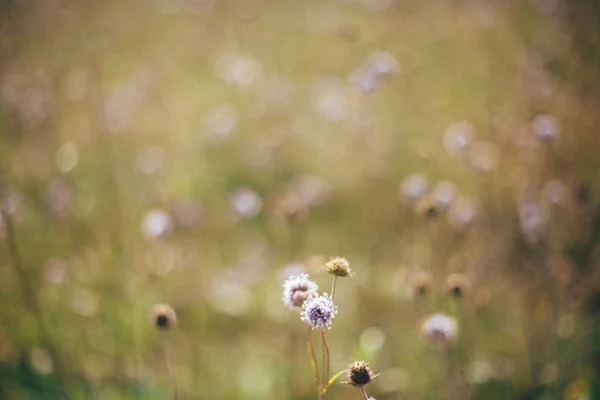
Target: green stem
point(327, 358)
point(333, 287)
point(313, 359)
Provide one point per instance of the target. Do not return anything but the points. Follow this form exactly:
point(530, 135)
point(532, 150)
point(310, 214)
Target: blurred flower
point(461, 213)
point(546, 127)
point(157, 223)
point(444, 193)
point(55, 271)
point(359, 373)
point(221, 121)
point(41, 360)
point(163, 316)
point(238, 69)
point(58, 196)
point(230, 297)
point(532, 221)
point(382, 63)
point(245, 202)
point(319, 311)
point(421, 283)
point(296, 289)
point(338, 266)
point(372, 339)
point(331, 101)
point(458, 285)
point(67, 157)
point(439, 328)
point(458, 137)
point(363, 79)
point(187, 212)
point(413, 187)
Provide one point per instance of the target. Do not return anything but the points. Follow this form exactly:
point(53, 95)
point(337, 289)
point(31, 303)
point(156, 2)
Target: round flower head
point(359, 373)
point(318, 311)
point(296, 289)
point(338, 266)
point(439, 328)
point(163, 316)
point(458, 285)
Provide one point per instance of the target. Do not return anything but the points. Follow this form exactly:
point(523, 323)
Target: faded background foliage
point(196, 152)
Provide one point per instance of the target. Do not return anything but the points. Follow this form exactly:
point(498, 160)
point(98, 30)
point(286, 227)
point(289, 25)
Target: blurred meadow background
point(198, 152)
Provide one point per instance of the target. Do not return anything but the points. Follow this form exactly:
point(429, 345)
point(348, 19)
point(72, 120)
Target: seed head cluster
point(318, 311)
point(163, 316)
point(359, 373)
point(296, 289)
point(338, 266)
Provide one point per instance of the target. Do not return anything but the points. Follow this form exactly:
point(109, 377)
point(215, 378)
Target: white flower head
point(439, 328)
point(296, 289)
point(318, 311)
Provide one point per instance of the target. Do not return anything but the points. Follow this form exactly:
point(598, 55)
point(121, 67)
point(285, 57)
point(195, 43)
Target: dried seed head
point(421, 283)
point(439, 328)
point(338, 266)
point(458, 286)
point(427, 207)
point(296, 290)
point(318, 311)
point(359, 373)
point(163, 316)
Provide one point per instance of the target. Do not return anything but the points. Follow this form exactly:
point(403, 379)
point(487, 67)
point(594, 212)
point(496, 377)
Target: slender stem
point(333, 287)
point(327, 358)
point(169, 366)
point(31, 301)
point(363, 391)
point(313, 359)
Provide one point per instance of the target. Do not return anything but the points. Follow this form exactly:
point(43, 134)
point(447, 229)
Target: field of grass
point(198, 152)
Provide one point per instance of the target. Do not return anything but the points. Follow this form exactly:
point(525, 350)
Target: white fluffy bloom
point(439, 328)
point(296, 289)
point(319, 311)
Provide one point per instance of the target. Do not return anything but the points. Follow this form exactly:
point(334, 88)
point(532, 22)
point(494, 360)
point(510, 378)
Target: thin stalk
point(333, 287)
point(363, 392)
point(313, 359)
point(31, 301)
point(169, 366)
point(327, 359)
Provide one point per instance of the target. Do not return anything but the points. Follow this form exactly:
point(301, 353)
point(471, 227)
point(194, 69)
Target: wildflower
point(359, 373)
point(439, 328)
point(458, 285)
point(338, 266)
point(421, 283)
point(163, 316)
point(318, 311)
point(296, 290)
